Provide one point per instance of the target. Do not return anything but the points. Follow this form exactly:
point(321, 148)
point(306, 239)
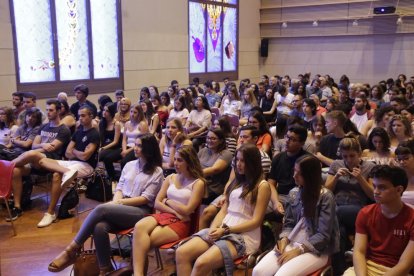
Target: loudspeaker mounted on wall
point(264, 47)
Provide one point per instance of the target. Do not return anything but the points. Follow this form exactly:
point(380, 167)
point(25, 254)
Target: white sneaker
point(47, 220)
point(68, 177)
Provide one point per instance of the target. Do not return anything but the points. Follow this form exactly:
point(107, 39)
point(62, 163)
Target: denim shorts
point(236, 239)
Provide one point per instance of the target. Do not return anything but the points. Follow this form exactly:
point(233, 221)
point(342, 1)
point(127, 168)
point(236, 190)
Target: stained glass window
point(61, 43)
point(197, 38)
point(229, 39)
point(34, 39)
point(104, 39)
point(72, 35)
point(213, 37)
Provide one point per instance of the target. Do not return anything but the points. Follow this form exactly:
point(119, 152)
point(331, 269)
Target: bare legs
point(31, 156)
point(20, 170)
point(187, 253)
point(18, 173)
point(52, 165)
point(148, 234)
point(55, 192)
point(207, 216)
point(206, 258)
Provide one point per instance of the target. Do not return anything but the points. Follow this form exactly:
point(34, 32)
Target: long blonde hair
point(252, 98)
point(123, 117)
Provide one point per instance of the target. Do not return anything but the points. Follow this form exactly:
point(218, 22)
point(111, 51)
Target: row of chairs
point(245, 262)
point(6, 177)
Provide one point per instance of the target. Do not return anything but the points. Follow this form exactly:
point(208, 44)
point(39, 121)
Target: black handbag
point(69, 201)
point(99, 187)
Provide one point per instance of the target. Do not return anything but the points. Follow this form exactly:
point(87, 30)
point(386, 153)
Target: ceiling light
point(315, 23)
point(399, 21)
point(284, 25)
point(355, 23)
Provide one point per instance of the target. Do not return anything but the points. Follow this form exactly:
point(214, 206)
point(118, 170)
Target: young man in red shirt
point(384, 241)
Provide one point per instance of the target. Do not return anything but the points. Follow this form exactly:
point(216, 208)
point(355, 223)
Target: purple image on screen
point(198, 48)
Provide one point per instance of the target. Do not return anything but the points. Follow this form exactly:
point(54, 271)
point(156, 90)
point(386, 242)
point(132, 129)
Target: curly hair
point(381, 133)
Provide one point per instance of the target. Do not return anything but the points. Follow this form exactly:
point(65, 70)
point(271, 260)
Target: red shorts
point(181, 228)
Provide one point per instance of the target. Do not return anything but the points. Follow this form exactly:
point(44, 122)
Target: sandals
point(124, 271)
point(103, 271)
point(69, 255)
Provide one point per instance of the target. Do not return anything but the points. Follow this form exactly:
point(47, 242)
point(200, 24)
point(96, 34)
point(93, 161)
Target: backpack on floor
point(69, 201)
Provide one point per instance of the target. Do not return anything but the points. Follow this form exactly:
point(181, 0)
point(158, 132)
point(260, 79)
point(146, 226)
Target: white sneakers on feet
point(47, 220)
point(68, 177)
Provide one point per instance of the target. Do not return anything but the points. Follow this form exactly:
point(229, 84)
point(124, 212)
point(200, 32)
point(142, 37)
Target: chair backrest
point(213, 117)
point(216, 111)
point(195, 218)
point(233, 120)
point(6, 177)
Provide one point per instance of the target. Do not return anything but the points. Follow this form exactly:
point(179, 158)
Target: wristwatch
point(226, 229)
point(301, 248)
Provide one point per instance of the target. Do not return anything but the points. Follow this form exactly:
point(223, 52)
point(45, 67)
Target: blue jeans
point(106, 218)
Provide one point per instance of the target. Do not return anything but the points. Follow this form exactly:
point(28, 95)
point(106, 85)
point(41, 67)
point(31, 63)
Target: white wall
point(363, 58)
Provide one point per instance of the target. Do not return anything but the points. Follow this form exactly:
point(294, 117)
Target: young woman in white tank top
point(236, 228)
point(135, 126)
point(179, 197)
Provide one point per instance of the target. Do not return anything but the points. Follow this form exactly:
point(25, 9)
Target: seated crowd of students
point(314, 152)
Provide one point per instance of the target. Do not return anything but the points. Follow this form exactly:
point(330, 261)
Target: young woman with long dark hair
point(310, 230)
point(110, 134)
point(133, 199)
point(8, 125)
point(264, 142)
point(153, 119)
point(180, 110)
point(379, 148)
point(236, 228)
point(22, 139)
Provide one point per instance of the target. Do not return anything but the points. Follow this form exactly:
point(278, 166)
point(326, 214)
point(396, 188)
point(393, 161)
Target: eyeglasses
point(211, 138)
point(291, 139)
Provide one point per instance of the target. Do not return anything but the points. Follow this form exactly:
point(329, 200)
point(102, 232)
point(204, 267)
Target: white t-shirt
point(231, 107)
point(182, 114)
point(359, 120)
point(283, 109)
point(200, 118)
